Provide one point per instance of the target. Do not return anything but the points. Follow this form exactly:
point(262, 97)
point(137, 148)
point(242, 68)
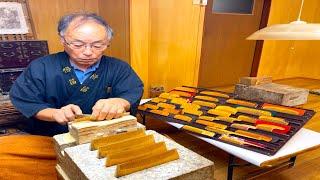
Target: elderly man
point(56, 88)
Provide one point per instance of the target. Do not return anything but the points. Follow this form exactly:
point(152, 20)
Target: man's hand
point(62, 116)
point(66, 113)
point(110, 108)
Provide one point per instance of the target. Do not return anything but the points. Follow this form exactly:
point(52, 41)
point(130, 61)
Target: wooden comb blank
point(96, 143)
point(172, 111)
point(212, 93)
point(247, 119)
point(168, 96)
point(128, 155)
point(227, 119)
point(256, 112)
point(127, 143)
point(282, 109)
point(106, 152)
point(219, 113)
point(190, 106)
point(198, 131)
point(253, 135)
point(241, 102)
point(207, 118)
point(274, 120)
point(181, 93)
point(207, 98)
point(160, 112)
point(151, 106)
point(269, 127)
point(204, 103)
point(179, 101)
point(142, 108)
point(192, 111)
point(166, 105)
point(227, 109)
point(183, 118)
point(208, 123)
point(146, 162)
point(192, 90)
point(158, 99)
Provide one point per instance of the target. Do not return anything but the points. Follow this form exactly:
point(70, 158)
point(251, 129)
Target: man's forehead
point(78, 27)
point(79, 22)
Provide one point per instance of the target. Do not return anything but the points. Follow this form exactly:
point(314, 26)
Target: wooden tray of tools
point(256, 126)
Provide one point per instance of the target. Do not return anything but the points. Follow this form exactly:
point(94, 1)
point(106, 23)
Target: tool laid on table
point(89, 117)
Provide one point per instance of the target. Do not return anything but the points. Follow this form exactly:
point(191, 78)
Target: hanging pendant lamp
point(296, 30)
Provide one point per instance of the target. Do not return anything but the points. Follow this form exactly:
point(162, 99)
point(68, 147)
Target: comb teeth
point(124, 156)
point(96, 143)
point(146, 162)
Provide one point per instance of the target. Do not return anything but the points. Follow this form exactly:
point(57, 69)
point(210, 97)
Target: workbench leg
point(230, 167)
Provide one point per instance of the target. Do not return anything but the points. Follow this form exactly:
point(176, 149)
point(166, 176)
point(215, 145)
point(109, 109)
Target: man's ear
point(62, 41)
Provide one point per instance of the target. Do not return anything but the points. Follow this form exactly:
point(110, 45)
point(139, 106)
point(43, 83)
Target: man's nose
point(87, 51)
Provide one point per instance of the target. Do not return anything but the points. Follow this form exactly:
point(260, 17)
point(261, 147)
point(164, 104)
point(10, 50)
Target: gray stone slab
point(81, 163)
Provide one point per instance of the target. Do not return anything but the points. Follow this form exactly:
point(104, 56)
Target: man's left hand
point(110, 108)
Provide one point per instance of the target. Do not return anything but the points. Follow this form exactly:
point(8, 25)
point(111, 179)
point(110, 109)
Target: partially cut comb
point(146, 162)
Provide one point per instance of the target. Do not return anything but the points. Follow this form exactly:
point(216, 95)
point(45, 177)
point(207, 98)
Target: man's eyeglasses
point(98, 46)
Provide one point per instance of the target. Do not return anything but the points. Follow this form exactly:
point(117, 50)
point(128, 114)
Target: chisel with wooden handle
point(89, 117)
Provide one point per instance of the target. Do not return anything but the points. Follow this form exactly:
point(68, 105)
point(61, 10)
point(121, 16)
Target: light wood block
point(273, 93)
point(85, 131)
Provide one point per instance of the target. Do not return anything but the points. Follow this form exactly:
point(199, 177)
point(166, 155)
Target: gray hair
point(65, 21)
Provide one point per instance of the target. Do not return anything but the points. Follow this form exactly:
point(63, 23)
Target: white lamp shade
point(297, 30)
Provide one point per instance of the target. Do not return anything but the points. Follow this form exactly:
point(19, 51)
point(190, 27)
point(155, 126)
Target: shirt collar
point(90, 69)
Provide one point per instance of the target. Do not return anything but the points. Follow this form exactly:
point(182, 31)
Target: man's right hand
point(66, 114)
point(62, 116)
